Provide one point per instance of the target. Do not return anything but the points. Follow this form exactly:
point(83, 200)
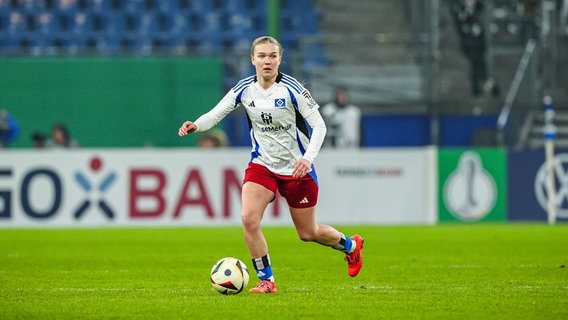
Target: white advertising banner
point(192, 187)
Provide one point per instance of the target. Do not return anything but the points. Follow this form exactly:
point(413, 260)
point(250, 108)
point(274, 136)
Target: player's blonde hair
point(266, 39)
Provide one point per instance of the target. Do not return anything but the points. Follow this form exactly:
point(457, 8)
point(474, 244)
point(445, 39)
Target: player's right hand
point(186, 128)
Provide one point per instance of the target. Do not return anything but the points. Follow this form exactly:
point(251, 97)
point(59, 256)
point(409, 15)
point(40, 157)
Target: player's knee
point(250, 222)
point(306, 235)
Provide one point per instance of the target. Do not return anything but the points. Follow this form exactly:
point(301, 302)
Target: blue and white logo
point(279, 103)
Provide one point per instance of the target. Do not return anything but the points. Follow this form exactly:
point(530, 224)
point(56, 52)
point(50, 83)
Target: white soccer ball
point(229, 276)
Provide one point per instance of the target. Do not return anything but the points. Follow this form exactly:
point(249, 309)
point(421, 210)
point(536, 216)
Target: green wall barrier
point(110, 101)
point(473, 185)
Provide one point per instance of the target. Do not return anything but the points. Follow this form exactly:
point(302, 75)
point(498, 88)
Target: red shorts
point(298, 192)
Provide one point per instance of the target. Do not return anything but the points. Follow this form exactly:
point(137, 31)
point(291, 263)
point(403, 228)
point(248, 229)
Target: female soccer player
point(283, 153)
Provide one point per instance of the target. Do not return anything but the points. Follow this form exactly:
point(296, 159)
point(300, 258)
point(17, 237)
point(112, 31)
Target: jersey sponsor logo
point(266, 117)
point(280, 102)
point(251, 104)
point(309, 98)
point(276, 128)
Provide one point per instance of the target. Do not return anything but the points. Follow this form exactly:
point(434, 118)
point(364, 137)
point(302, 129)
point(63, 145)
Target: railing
point(504, 121)
point(380, 69)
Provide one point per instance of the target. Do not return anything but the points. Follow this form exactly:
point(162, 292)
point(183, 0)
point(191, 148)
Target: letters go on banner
point(191, 187)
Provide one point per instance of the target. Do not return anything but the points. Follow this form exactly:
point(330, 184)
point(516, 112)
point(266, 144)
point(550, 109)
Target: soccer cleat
point(264, 286)
point(355, 259)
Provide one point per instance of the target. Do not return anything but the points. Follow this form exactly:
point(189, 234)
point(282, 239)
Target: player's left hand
point(301, 168)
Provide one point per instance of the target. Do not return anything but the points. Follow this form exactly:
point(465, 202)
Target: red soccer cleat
point(355, 259)
point(264, 286)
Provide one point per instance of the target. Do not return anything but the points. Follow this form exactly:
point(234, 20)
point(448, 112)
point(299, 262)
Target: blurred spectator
point(528, 11)
point(39, 140)
point(9, 129)
point(60, 138)
point(564, 16)
point(469, 18)
point(343, 121)
point(212, 139)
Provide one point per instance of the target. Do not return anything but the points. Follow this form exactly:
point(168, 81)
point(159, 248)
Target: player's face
point(266, 59)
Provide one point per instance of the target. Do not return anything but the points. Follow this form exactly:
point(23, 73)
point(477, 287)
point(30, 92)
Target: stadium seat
point(136, 44)
point(239, 24)
point(179, 26)
point(81, 24)
point(106, 26)
point(46, 24)
point(4, 19)
point(66, 7)
point(107, 45)
point(168, 7)
point(18, 23)
point(201, 7)
point(100, 6)
point(134, 7)
point(213, 22)
point(113, 24)
point(290, 41)
point(145, 24)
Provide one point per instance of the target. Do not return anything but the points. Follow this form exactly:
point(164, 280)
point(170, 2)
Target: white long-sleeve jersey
point(277, 121)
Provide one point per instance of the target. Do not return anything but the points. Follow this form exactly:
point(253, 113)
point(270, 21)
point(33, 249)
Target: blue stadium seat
point(259, 23)
point(136, 44)
point(304, 23)
point(134, 7)
point(66, 7)
point(143, 24)
point(74, 31)
point(36, 45)
point(4, 18)
point(213, 22)
point(290, 41)
point(168, 7)
point(46, 24)
point(211, 43)
point(180, 25)
point(100, 6)
point(106, 44)
point(81, 24)
point(18, 23)
point(108, 26)
point(164, 23)
point(97, 22)
point(297, 5)
point(202, 6)
point(239, 24)
point(238, 6)
point(113, 24)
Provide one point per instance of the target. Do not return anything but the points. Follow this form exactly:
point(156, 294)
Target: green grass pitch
point(451, 271)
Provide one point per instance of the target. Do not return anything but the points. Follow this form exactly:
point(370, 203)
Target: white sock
point(353, 246)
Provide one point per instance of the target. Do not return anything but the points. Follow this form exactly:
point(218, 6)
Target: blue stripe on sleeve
point(242, 83)
point(292, 82)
